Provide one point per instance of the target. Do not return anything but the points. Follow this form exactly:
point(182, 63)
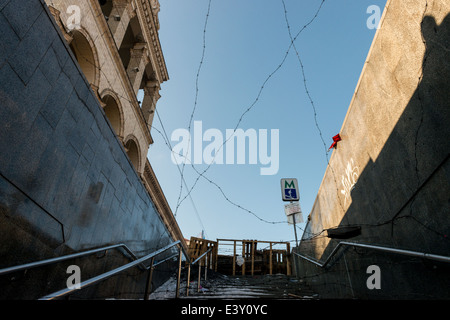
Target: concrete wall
point(66, 183)
point(390, 174)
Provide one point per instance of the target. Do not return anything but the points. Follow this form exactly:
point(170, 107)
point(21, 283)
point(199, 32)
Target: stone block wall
point(66, 183)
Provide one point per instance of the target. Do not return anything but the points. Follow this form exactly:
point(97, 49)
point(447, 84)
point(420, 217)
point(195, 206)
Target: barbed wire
point(255, 101)
point(196, 98)
point(166, 140)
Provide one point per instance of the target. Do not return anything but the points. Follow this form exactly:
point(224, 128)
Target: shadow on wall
point(402, 199)
point(403, 185)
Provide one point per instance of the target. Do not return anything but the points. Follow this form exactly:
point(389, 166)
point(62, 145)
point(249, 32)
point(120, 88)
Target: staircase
point(219, 286)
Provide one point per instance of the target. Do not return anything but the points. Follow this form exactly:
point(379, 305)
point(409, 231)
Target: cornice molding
point(147, 14)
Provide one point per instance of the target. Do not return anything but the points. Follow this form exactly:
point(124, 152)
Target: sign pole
point(290, 192)
point(295, 230)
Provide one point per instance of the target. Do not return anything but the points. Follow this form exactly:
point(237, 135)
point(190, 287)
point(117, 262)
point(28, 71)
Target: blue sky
point(245, 42)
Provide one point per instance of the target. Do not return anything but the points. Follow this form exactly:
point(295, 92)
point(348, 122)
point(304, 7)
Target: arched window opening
point(133, 153)
point(113, 113)
point(84, 54)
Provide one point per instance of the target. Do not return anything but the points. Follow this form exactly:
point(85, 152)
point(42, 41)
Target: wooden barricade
point(198, 246)
point(263, 261)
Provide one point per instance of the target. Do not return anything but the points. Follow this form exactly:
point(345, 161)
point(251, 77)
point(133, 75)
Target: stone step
point(218, 286)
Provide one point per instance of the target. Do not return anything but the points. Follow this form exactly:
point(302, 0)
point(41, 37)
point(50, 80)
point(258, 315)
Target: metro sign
point(289, 190)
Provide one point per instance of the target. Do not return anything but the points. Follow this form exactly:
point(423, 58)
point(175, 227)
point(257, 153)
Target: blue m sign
point(290, 194)
point(289, 189)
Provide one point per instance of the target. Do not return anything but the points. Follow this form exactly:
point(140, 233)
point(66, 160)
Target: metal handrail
point(199, 270)
point(66, 257)
point(200, 257)
point(108, 274)
point(368, 246)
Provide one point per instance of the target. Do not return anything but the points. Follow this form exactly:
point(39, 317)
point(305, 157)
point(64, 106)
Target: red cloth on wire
point(336, 139)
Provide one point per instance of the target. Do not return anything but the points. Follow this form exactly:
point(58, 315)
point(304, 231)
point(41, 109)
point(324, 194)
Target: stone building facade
point(117, 46)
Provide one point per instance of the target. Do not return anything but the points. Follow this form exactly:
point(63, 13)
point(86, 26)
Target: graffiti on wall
point(349, 179)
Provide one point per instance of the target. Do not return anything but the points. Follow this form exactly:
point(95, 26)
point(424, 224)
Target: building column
point(151, 97)
point(119, 19)
point(136, 67)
